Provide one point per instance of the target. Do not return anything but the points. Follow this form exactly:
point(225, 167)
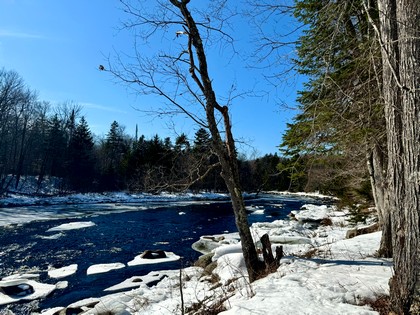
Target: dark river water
point(118, 236)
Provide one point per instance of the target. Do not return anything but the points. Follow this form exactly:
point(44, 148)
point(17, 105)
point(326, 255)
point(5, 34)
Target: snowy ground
point(322, 273)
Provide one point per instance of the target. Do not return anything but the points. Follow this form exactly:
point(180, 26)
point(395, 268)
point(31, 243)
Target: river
point(120, 232)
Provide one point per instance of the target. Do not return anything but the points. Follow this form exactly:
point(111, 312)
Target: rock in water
point(153, 254)
point(21, 289)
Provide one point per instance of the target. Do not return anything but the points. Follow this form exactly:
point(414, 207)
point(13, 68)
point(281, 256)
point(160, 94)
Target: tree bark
point(377, 174)
point(225, 150)
point(400, 39)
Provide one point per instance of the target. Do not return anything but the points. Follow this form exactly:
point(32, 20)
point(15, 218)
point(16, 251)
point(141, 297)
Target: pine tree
point(202, 141)
point(55, 147)
point(115, 149)
point(80, 160)
point(181, 143)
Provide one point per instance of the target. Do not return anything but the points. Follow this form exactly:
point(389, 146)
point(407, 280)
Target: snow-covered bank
point(317, 195)
point(322, 273)
point(19, 200)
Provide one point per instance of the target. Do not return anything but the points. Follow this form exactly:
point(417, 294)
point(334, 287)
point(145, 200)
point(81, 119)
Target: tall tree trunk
point(22, 149)
point(225, 150)
point(400, 37)
point(230, 174)
point(377, 173)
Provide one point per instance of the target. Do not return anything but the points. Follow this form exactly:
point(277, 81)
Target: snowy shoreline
point(322, 270)
point(13, 200)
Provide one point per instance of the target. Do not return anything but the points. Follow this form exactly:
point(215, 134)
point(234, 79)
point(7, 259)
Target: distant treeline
point(40, 140)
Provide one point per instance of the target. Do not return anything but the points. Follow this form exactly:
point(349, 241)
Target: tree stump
point(271, 263)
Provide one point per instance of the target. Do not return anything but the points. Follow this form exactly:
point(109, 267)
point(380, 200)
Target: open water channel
point(121, 232)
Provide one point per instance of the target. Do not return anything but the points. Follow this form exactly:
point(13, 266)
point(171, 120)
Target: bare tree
point(180, 75)
point(18, 111)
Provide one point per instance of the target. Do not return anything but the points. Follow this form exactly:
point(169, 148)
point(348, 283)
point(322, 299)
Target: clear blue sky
point(57, 45)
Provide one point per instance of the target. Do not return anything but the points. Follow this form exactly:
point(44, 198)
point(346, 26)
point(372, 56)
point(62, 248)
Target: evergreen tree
point(181, 143)
point(114, 155)
point(339, 54)
point(80, 163)
point(202, 141)
point(56, 147)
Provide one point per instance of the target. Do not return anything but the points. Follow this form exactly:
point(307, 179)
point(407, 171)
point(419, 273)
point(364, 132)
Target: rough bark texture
point(377, 173)
point(225, 150)
point(400, 36)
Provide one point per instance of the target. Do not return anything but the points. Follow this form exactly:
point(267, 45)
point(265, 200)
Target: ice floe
point(102, 268)
point(139, 260)
point(62, 272)
point(71, 226)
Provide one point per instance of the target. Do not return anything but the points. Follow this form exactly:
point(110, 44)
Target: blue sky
point(57, 45)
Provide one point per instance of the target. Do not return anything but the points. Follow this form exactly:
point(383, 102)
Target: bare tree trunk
point(400, 37)
point(225, 150)
point(377, 173)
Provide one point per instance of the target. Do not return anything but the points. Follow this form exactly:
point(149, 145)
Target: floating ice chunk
point(51, 237)
point(21, 276)
point(41, 290)
point(181, 213)
point(62, 285)
point(101, 268)
point(161, 243)
point(52, 311)
point(139, 260)
point(62, 272)
point(71, 226)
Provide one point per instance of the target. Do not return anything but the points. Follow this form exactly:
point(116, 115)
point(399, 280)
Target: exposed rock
point(21, 289)
point(155, 282)
point(79, 307)
point(73, 311)
point(153, 254)
point(214, 238)
point(364, 230)
point(204, 260)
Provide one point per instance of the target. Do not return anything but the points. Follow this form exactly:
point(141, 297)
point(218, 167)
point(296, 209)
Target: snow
point(71, 226)
point(102, 268)
point(305, 287)
point(138, 260)
point(226, 249)
point(41, 290)
point(51, 237)
point(312, 213)
point(134, 282)
point(62, 272)
point(338, 279)
point(22, 209)
point(337, 276)
point(16, 200)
